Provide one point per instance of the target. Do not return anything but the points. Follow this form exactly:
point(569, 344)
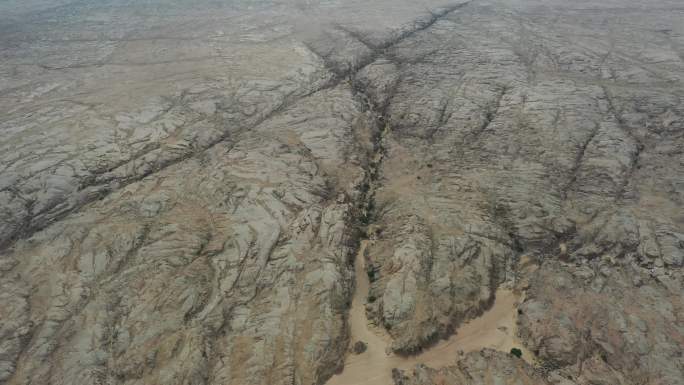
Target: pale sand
point(374, 366)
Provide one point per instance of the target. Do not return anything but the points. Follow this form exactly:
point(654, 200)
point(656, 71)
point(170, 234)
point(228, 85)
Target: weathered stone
point(183, 186)
point(477, 368)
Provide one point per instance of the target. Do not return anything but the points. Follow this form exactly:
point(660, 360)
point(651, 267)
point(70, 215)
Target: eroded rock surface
point(477, 368)
point(183, 186)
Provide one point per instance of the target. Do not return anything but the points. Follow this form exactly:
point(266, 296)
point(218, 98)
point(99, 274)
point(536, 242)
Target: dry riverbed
point(495, 329)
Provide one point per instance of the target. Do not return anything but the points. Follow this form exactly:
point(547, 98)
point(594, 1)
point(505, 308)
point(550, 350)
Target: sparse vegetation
point(371, 274)
point(359, 347)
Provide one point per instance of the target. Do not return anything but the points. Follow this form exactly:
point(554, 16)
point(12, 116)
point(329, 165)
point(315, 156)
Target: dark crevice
point(491, 110)
point(377, 110)
point(359, 36)
point(422, 25)
point(99, 190)
point(579, 158)
point(379, 121)
point(639, 146)
point(378, 50)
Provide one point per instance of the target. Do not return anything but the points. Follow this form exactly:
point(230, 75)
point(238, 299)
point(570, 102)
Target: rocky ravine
point(184, 185)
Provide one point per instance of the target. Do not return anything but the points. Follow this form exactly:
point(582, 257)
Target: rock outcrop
point(183, 186)
point(481, 368)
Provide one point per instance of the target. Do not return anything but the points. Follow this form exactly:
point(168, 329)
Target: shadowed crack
point(378, 50)
point(422, 25)
point(491, 110)
point(639, 146)
point(579, 158)
point(358, 36)
point(99, 190)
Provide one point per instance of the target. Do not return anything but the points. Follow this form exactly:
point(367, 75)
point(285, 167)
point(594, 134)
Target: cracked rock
point(184, 186)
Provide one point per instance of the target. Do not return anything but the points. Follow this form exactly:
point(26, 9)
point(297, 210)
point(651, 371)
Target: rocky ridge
point(195, 220)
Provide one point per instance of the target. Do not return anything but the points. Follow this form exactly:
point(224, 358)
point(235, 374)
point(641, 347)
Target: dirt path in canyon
point(495, 329)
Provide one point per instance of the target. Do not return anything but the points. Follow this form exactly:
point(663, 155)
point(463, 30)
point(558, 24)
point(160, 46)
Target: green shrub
point(516, 352)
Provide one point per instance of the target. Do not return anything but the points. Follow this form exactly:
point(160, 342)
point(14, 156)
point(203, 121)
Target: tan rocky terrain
point(191, 192)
